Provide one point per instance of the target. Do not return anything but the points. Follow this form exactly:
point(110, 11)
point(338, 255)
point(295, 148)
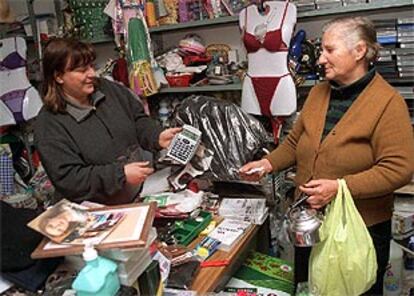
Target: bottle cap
point(89, 253)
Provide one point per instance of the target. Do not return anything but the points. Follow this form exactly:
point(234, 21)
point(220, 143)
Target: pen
point(215, 263)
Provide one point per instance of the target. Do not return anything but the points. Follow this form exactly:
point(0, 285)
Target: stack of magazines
point(304, 5)
point(328, 4)
point(387, 38)
point(70, 223)
point(405, 54)
point(68, 227)
point(252, 210)
point(408, 93)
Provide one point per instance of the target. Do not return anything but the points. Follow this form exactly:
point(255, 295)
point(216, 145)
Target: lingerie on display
point(19, 100)
point(262, 38)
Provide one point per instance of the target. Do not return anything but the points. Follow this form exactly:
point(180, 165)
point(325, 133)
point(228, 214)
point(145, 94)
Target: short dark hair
point(61, 55)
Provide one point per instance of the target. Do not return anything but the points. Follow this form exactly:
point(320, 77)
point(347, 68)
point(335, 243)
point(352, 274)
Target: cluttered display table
point(218, 269)
point(197, 253)
point(195, 227)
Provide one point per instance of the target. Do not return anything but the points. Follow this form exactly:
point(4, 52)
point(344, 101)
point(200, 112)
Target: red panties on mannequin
point(264, 88)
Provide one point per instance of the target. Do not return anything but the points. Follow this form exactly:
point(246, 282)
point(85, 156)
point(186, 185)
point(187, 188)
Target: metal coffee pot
point(303, 224)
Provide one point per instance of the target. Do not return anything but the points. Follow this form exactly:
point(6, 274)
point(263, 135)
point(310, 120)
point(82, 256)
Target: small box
point(402, 223)
point(45, 25)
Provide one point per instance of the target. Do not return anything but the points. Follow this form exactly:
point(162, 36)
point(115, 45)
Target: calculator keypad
point(182, 149)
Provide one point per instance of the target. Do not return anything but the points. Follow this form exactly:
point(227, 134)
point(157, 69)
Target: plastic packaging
point(98, 277)
point(234, 136)
point(335, 268)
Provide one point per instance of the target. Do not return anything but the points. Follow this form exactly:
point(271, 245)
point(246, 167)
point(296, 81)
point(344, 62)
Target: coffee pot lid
point(304, 219)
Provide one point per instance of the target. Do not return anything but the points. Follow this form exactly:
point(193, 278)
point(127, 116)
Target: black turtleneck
point(342, 98)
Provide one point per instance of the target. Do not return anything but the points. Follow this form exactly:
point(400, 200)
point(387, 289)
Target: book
point(228, 232)
point(253, 210)
point(267, 274)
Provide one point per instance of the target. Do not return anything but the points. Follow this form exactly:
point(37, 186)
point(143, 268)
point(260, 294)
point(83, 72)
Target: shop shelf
point(311, 15)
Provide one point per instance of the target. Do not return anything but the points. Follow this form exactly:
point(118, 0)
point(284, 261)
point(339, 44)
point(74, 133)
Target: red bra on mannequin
point(272, 41)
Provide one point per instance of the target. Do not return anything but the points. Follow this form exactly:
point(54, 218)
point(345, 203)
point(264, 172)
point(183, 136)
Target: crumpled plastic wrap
point(235, 136)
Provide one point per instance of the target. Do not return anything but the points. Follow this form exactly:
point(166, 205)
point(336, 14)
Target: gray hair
point(355, 29)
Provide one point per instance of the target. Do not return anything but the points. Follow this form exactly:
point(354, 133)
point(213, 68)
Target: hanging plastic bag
point(344, 262)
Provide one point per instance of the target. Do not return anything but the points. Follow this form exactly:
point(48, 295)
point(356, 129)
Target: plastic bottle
point(164, 113)
point(392, 277)
point(98, 277)
point(408, 272)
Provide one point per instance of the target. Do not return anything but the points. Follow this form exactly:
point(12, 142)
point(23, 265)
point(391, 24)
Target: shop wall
point(228, 34)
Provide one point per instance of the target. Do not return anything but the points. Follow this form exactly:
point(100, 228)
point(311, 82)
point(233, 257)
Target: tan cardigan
point(372, 147)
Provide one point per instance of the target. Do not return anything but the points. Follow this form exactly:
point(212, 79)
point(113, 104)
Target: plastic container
point(392, 277)
point(98, 277)
point(179, 80)
point(408, 272)
point(186, 231)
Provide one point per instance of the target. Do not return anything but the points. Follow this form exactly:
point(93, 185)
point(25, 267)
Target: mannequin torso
point(268, 88)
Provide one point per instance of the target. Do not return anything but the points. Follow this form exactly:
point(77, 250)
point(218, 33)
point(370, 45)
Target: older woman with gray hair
point(354, 126)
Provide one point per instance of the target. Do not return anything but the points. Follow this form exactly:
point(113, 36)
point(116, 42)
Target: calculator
point(184, 144)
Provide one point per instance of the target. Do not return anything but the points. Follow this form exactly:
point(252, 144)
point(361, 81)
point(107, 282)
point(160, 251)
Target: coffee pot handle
point(302, 198)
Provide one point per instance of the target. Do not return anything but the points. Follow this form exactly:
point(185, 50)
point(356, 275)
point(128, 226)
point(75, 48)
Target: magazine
point(70, 223)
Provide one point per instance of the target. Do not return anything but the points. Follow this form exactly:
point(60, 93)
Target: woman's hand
point(137, 172)
point(320, 192)
point(167, 135)
point(255, 170)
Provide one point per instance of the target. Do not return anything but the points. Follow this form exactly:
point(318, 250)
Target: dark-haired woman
point(89, 126)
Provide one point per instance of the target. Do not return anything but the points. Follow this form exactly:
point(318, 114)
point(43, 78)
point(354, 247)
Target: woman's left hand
point(167, 135)
point(320, 192)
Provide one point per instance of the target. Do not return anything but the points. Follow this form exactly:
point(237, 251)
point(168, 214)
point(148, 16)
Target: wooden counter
point(210, 279)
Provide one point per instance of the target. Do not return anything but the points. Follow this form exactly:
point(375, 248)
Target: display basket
point(180, 80)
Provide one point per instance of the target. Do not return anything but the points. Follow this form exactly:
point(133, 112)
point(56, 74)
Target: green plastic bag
point(344, 262)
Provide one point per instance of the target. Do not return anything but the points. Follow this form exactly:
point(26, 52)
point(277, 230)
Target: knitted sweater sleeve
point(284, 156)
point(72, 176)
point(148, 129)
point(393, 147)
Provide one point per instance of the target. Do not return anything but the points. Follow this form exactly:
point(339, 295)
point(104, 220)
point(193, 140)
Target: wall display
point(90, 19)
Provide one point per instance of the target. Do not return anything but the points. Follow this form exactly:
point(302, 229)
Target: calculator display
point(187, 133)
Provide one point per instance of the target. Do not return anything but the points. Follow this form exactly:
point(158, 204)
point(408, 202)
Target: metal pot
point(304, 224)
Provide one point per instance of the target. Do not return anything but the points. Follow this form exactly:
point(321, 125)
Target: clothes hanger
point(261, 7)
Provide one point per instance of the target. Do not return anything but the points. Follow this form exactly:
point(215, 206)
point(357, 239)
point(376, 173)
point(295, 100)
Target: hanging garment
point(6, 173)
point(19, 100)
point(19, 105)
point(264, 88)
point(120, 71)
point(12, 60)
